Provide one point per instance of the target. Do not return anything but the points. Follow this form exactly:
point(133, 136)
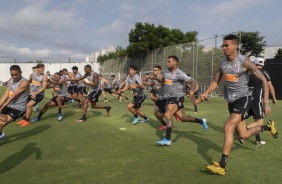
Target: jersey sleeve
point(127, 81)
point(184, 76)
point(138, 79)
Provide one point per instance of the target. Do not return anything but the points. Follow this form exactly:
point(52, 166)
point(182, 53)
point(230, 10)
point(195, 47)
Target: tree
point(39, 61)
point(252, 43)
point(279, 53)
point(146, 37)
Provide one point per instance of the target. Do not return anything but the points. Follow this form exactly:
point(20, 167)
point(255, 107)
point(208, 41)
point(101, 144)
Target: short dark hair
point(88, 66)
point(40, 65)
point(232, 37)
point(100, 75)
point(74, 68)
point(174, 58)
point(34, 67)
point(133, 67)
point(158, 66)
point(113, 76)
point(15, 68)
point(64, 69)
point(147, 74)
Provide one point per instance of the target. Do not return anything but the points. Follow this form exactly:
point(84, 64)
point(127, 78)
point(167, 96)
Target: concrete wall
point(52, 67)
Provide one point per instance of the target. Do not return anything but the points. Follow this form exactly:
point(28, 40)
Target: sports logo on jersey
point(236, 67)
point(173, 76)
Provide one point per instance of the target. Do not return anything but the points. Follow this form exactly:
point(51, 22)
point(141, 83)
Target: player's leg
point(184, 118)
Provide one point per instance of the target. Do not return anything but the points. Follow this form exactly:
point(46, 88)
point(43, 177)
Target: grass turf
point(111, 150)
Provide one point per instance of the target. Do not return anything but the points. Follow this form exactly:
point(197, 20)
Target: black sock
point(145, 117)
point(265, 128)
point(163, 122)
point(199, 121)
point(24, 118)
point(135, 115)
point(60, 110)
point(119, 95)
point(258, 137)
point(223, 160)
point(40, 114)
point(27, 119)
point(126, 98)
point(168, 133)
point(196, 109)
point(106, 99)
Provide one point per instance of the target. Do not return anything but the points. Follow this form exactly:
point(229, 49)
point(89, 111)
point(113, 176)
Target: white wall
point(52, 67)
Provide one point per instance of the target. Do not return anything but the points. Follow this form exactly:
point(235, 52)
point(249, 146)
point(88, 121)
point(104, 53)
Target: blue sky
point(55, 30)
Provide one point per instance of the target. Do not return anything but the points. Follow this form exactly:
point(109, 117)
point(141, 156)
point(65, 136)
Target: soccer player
point(162, 101)
point(13, 101)
point(91, 79)
point(107, 88)
point(135, 83)
point(72, 86)
point(38, 82)
point(61, 96)
point(174, 79)
point(256, 90)
point(234, 68)
point(117, 85)
point(150, 84)
point(196, 95)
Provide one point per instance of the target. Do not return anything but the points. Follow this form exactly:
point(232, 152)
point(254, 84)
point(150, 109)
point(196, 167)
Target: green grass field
point(98, 151)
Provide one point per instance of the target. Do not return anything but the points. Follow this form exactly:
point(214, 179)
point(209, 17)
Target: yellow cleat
point(273, 131)
point(215, 168)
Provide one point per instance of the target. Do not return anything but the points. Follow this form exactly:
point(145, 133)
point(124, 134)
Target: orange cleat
point(176, 118)
point(25, 123)
point(162, 128)
point(20, 122)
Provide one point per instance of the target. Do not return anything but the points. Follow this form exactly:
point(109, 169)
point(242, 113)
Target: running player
point(256, 91)
point(91, 78)
point(38, 82)
point(117, 85)
point(72, 86)
point(80, 89)
point(134, 82)
point(150, 85)
point(174, 79)
point(234, 69)
point(105, 85)
point(61, 96)
point(195, 92)
point(13, 101)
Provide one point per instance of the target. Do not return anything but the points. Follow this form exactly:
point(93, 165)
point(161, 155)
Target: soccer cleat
point(147, 97)
point(205, 124)
point(35, 119)
point(164, 142)
point(72, 102)
point(260, 142)
point(81, 119)
point(135, 120)
point(36, 107)
point(2, 136)
point(25, 123)
point(215, 168)
point(20, 122)
point(106, 101)
point(145, 120)
point(272, 130)
point(176, 118)
point(108, 109)
point(60, 117)
point(162, 128)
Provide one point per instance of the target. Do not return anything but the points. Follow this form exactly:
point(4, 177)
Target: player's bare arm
point(214, 84)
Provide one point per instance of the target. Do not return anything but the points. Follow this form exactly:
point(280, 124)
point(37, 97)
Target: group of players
point(167, 93)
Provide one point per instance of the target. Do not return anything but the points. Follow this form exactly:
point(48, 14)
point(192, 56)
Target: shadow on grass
point(17, 158)
point(203, 145)
point(215, 127)
point(129, 117)
point(29, 133)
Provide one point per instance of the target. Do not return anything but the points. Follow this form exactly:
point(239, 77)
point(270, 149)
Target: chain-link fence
point(200, 59)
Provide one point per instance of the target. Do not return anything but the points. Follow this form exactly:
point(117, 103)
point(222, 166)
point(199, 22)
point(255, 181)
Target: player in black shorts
point(256, 91)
